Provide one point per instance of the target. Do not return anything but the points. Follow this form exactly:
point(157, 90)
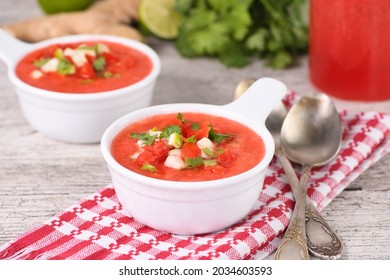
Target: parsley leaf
point(191, 139)
point(218, 137)
point(235, 30)
point(195, 126)
point(194, 162)
point(40, 62)
point(144, 137)
point(99, 64)
point(180, 118)
point(168, 130)
point(65, 67)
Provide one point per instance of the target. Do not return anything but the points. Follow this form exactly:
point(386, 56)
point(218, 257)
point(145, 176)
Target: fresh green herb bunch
point(235, 30)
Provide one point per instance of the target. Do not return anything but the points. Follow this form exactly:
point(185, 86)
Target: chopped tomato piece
point(110, 58)
point(86, 71)
point(217, 169)
point(199, 130)
point(226, 158)
point(202, 132)
point(160, 150)
point(190, 150)
point(90, 58)
point(145, 157)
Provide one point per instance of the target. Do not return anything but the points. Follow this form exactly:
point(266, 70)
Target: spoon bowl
point(311, 133)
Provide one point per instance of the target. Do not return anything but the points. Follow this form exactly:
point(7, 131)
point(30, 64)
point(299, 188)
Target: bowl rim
point(145, 49)
point(217, 110)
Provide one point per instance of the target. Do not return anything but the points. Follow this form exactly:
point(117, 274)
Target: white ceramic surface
point(76, 118)
point(197, 207)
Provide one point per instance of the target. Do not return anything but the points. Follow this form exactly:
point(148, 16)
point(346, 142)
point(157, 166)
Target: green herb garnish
point(168, 130)
point(144, 137)
point(195, 126)
point(218, 137)
point(58, 53)
point(40, 62)
point(180, 118)
point(193, 162)
point(99, 64)
point(148, 167)
point(209, 162)
point(235, 30)
point(65, 67)
point(213, 153)
point(191, 139)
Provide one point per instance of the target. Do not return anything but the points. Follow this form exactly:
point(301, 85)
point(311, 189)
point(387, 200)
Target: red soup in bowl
point(84, 67)
point(188, 147)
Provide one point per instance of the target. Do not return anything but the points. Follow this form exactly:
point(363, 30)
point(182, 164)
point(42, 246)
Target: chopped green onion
point(175, 140)
point(58, 53)
point(213, 153)
point(209, 162)
point(148, 167)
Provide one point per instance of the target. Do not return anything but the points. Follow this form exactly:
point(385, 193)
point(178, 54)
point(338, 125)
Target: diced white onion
point(203, 144)
point(36, 74)
point(51, 65)
point(175, 140)
point(78, 56)
point(174, 162)
point(102, 48)
point(135, 155)
point(140, 143)
point(174, 152)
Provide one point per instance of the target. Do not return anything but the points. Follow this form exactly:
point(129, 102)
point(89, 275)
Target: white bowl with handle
point(76, 118)
point(204, 206)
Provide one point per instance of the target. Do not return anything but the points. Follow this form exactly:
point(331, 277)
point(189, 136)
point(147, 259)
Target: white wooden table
point(40, 177)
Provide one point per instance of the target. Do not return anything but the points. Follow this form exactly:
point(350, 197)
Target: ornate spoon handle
point(294, 245)
point(322, 241)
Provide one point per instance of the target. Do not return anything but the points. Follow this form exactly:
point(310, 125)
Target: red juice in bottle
point(349, 49)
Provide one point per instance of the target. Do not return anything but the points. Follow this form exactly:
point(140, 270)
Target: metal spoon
point(322, 241)
point(311, 136)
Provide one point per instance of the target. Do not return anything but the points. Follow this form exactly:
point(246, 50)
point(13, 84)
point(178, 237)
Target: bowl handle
point(259, 99)
point(11, 49)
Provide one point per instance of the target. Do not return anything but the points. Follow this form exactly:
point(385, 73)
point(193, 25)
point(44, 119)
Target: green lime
point(160, 18)
point(57, 6)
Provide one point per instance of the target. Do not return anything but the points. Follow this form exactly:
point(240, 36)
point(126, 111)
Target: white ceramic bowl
point(76, 118)
point(197, 207)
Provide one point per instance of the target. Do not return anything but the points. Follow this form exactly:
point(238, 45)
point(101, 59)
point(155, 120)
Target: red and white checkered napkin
point(97, 228)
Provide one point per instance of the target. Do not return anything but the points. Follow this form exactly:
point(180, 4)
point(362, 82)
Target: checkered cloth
point(97, 228)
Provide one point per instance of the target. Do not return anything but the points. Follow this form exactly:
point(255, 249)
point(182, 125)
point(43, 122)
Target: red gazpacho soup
point(188, 147)
point(84, 67)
